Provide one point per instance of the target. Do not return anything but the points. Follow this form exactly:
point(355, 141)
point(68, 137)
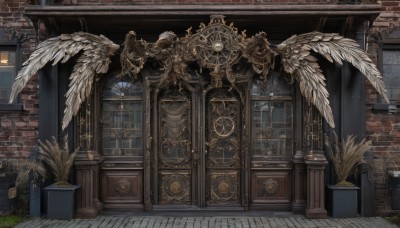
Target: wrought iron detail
point(313, 129)
point(224, 136)
point(174, 131)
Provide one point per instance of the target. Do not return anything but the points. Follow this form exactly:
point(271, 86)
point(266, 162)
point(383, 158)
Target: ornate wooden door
point(223, 153)
point(198, 158)
point(174, 157)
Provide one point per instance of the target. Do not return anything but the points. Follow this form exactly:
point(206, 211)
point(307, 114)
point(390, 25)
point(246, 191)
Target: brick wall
point(19, 129)
point(383, 128)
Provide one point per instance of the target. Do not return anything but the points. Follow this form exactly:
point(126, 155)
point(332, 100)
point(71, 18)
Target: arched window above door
point(122, 117)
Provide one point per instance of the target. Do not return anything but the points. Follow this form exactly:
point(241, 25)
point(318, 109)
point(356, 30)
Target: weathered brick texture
point(382, 128)
point(19, 129)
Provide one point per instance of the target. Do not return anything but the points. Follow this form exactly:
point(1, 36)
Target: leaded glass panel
point(122, 115)
point(272, 118)
point(272, 130)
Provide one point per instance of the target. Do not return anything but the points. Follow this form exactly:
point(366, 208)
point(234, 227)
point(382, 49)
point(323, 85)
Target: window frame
point(7, 44)
point(389, 41)
point(271, 99)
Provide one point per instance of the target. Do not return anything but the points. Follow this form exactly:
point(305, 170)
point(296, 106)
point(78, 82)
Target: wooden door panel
point(122, 187)
point(271, 186)
point(174, 187)
point(223, 187)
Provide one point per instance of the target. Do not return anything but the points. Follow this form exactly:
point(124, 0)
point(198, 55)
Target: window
point(7, 72)
point(272, 118)
point(390, 71)
point(122, 116)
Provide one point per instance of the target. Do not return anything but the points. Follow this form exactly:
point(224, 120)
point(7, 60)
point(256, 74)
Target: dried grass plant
point(346, 155)
point(57, 157)
point(54, 160)
point(30, 169)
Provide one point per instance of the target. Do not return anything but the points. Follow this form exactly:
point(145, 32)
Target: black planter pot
point(343, 201)
point(394, 188)
point(61, 202)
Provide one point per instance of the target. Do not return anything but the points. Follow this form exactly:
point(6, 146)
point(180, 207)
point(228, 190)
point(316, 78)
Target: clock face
point(216, 46)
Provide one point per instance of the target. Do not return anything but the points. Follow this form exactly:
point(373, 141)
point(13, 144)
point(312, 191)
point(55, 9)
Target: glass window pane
point(122, 120)
point(272, 128)
point(391, 67)
point(7, 74)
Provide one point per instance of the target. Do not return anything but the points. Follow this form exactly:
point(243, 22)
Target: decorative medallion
point(123, 186)
point(224, 126)
point(217, 45)
point(271, 186)
point(175, 188)
point(224, 187)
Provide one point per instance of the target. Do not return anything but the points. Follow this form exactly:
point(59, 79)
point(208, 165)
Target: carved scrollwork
point(224, 187)
point(174, 131)
point(175, 188)
point(216, 46)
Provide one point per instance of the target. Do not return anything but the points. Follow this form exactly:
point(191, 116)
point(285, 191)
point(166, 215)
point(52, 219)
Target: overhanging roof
point(151, 19)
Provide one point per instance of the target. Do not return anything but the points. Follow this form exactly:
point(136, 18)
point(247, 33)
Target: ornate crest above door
point(216, 47)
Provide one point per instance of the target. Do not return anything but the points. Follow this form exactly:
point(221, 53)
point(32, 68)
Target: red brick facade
point(381, 127)
point(19, 129)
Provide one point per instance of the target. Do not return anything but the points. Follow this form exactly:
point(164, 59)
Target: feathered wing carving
point(297, 60)
point(95, 59)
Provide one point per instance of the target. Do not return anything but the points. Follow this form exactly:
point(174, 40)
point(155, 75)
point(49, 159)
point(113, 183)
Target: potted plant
point(61, 194)
point(54, 161)
point(31, 173)
point(345, 157)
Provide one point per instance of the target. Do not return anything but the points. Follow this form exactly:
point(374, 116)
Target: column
point(87, 176)
point(316, 164)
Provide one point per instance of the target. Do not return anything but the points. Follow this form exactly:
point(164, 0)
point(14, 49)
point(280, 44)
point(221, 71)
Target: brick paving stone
point(197, 222)
point(203, 222)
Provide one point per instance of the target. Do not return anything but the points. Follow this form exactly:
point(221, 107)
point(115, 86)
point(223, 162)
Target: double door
point(197, 160)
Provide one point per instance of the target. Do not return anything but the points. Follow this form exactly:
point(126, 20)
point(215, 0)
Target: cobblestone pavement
point(200, 222)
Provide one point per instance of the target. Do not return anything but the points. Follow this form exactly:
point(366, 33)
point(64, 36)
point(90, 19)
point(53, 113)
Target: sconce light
point(4, 57)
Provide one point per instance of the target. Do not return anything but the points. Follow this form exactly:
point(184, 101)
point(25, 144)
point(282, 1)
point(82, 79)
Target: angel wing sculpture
point(216, 47)
point(298, 61)
point(95, 59)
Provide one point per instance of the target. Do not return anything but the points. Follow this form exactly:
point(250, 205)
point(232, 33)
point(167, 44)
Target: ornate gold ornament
point(175, 188)
point(224, 187)
point(271, 186)
point(216, 47)
point(123, 186)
